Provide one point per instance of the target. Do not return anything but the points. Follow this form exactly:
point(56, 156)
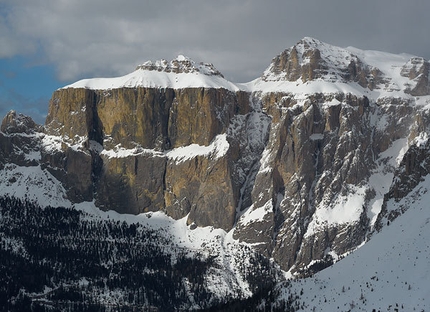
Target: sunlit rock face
point(298, 163)
point(134, 137)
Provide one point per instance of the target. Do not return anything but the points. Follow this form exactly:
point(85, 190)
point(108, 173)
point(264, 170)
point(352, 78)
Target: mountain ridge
point(368, 68)
point(299, 164)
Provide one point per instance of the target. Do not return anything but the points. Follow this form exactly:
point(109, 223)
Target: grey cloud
point(104, 38)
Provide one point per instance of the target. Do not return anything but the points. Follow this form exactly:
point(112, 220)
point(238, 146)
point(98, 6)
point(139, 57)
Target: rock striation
point(298, 163)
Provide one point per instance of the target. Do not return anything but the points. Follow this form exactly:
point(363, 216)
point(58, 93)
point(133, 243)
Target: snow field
point(391, 271)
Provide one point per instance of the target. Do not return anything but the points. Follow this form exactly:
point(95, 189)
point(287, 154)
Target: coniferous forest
point(55, 259)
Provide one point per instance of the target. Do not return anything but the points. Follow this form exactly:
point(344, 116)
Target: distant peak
point(312, 59)
point(15, 122)
point(309, 43)
point(310, 40)
point(181, 64)
point(182, 58)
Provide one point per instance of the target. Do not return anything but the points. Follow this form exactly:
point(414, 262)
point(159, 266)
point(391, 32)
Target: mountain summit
point(377, 74)
point(311, 59)
point(181, 64)
point(180, 73)
point(301, 164)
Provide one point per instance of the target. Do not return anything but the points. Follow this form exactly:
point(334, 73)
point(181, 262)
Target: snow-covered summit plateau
point(179, 73)
point(310, 66)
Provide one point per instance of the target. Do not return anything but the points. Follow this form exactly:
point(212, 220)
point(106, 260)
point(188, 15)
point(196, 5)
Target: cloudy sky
point(46, 44)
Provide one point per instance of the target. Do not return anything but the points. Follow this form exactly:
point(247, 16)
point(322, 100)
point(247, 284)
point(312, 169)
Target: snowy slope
point(32, 183)
point(225, 278)
point(177, 74)
point(183, 72)
point(391, 271)
point(337, 59)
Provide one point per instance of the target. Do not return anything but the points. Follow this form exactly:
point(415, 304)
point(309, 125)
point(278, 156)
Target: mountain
point(301, 165)
point(179, 73)
point(388, 273)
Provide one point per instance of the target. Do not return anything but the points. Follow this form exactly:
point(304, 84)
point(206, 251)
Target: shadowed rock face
point(16, 140)
point(14, 122)
point(301, 177)
point(133, 184)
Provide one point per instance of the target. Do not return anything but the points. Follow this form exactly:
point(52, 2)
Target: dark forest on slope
point(54, 259)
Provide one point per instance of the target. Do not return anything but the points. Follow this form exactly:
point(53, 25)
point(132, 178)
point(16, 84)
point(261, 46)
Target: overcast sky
point(46, 44)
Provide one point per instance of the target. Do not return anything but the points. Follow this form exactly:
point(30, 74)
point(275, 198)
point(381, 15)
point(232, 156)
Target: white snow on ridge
point(157, 79)
point(184, 73)
point(218, 148)
point(32, 183)
point(390, 272)
point(300, 89)
point(390, 64)
point(121, 152)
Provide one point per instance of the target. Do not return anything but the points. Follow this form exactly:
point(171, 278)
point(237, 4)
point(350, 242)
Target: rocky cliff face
point(297, 163)
point(124, 136)
point(16, 140)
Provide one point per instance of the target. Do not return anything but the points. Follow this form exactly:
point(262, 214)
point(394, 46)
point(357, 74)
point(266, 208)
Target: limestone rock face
point(318, 155)
point(132, 184)
point(119, 154)
point(17, 140)
point(131, 117)
point(72, 114)
point(198, 115)
point(203, 189)
point(151, 118)
point(18, 123)
point(311, 59)
point(298, 163)
point(417, 70)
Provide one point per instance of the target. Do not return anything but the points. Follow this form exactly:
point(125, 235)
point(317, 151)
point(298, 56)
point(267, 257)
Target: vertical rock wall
point(145, 123)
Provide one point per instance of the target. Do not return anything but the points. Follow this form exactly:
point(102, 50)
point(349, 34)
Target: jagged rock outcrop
point(311, 59)
point(16, 141)
point(417, 70)
point(181, 64)
point(318, 155)
point(412, 170)
point(297, 163)
point(14, 122)
point(317, 191)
